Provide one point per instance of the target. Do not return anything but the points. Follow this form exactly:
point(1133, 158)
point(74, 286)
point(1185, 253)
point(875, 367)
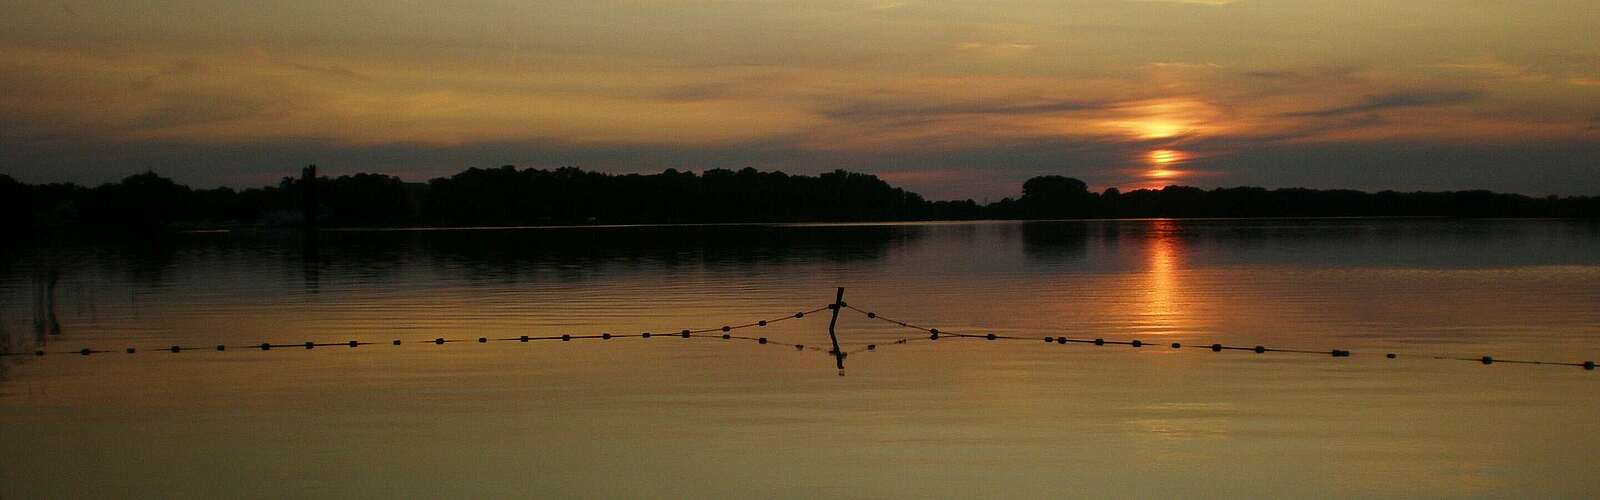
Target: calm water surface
point(668, 417)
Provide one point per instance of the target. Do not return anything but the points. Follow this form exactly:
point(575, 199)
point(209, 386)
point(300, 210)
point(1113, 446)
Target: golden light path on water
point(1161, 263)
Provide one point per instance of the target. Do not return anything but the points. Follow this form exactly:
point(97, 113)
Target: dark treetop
point(507, 196)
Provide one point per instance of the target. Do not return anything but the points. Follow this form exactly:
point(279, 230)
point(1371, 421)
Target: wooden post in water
point(838, 355)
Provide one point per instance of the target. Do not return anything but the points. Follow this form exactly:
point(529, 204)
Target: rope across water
point(726, 332)
point(934, 334)
point(723, 333)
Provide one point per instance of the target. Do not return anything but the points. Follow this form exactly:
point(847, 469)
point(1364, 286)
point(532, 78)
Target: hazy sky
point(951, 98)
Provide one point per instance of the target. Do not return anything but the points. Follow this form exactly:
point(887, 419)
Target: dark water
point(668, 417)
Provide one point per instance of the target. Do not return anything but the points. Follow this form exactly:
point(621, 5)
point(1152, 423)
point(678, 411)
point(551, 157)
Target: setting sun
point(1163, 162)
point(1158, 129)
point(1166, 156)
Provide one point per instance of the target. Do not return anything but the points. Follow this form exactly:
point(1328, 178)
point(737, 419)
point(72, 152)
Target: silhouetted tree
point(141, 201)
point(366, 200)
point(507, 195)
point(1056, 196)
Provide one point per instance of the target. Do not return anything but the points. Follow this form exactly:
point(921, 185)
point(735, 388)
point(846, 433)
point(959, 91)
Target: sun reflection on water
point(1162, 308)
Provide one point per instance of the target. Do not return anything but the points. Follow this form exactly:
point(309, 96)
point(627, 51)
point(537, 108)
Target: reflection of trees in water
point(1426, 243)
point(143, 257)
point(44, 259)
point(1056, 240)
point(149, 260)
point(5, 343)
point(567, 252)
point(509, 252)
point(374, 256)
point(311, 260)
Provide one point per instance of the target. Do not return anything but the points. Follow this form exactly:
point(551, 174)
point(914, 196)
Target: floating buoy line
point(727, 333)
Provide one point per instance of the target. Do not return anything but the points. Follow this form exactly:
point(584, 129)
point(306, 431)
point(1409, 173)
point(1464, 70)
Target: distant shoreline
point(952, 222)
point(507, 197)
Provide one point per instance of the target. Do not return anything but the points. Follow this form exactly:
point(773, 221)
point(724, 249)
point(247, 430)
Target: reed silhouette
point(45, 322)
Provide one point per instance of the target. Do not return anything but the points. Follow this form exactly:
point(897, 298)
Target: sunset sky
point(950, 98)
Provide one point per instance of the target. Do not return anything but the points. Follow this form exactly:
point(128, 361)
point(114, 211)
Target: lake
point(668, 417)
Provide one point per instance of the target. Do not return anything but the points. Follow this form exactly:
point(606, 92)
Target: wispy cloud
point(186, 67)
point(866, 111)
point(1492, 68)
point(1315, 74)
point(1413, 99)
point(201, 108)
point(1213, 3)
point(334, 70)
point(697, 91)
point(330, 70)
point(995, 49)
point(1184, 65)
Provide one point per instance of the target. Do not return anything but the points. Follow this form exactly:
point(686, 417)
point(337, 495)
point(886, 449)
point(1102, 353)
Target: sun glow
point(1166, 156)
point(1163, 163)
point(1164, 119)
point(1159, 129)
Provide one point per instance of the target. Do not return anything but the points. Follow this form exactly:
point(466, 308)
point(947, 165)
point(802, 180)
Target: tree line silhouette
point(508, 196)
